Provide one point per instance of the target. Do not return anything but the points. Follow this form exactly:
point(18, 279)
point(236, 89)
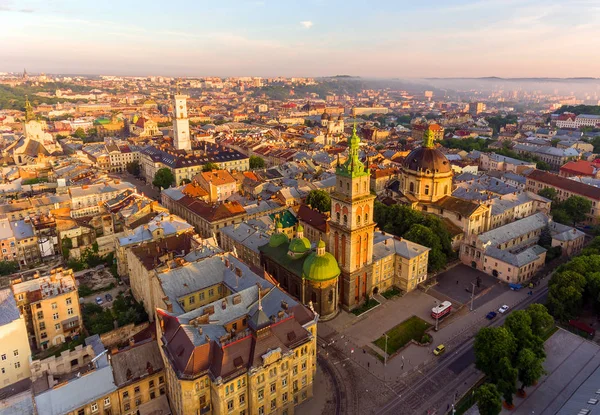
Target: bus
point(441, 310)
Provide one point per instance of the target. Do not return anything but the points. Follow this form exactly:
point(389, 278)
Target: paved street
point(142, 187)
point(570, 360)
point(420, 381)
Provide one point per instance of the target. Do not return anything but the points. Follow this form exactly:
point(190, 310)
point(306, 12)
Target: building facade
point(15, 353)
point(50, 305)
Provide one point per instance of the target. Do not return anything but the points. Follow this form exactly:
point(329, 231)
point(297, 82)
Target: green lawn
point(399, 336)
point(391, 293)
point(365, 307)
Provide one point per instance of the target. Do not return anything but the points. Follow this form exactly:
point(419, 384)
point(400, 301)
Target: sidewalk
point(353, 336)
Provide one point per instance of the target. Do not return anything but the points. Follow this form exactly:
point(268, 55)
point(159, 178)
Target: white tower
point(181, 124)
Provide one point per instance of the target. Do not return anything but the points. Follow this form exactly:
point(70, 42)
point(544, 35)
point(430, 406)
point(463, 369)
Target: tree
point(519, 323)
point(320, 200)
point(530, 368)
point(507, 380)
point(210, 167)
point(488, 399)
point(79, 133)
point(541, 320)
point(8, 267)
point(163, 178)
point(257, 162)
point(184, 181)
point(134, 168)
point(545, 237)
point(548, 193)
point(565, 296)
point(492, 344)
point(577, 208)
point(422, 235)
point(561, 216)
point(542, 165)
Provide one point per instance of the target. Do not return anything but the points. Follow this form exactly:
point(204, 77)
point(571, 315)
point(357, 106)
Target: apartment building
point(555, 157)
point(565, 188)
point(493, 161)
point(87, 200)
point(15, 352)
point(219, 184)
point(252, 350)
point(207, 218)
point(398, 262)
point(50, 305)
point(244, 240)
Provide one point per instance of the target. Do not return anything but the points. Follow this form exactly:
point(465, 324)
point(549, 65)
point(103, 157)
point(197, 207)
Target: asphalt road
point(441, 382)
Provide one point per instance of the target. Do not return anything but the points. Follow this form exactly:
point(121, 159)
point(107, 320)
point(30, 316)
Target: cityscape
point(248, 209)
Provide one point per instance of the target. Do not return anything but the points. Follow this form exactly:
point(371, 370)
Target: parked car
point(503, 309)
point(515, 287)
point(108, 297)
point(491, 315)
point(439, 350)
point(99, 301)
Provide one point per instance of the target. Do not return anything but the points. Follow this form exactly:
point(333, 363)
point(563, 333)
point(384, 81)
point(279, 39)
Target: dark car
point(491, 315)
point(108, 297)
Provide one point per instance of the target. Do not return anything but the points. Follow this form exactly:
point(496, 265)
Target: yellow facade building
point(50, 305)
point(15, 352)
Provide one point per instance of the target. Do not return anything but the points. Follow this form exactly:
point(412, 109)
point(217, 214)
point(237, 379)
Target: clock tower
point(352, 227)
point(181, 124)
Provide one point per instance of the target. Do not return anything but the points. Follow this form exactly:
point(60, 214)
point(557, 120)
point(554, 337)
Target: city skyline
point(315, 38)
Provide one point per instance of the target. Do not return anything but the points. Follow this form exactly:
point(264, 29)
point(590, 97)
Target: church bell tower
point(352, 227)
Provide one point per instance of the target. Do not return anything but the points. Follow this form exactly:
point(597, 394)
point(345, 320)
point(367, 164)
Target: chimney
point(238, 272)
point(237, 299)
point(284, 305)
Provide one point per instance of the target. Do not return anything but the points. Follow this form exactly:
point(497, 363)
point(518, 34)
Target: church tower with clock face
point(352, 227)
point(181, 124)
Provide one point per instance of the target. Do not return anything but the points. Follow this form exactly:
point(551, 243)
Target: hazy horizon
point(313, 38)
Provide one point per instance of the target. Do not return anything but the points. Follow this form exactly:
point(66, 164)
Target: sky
point(375, 38)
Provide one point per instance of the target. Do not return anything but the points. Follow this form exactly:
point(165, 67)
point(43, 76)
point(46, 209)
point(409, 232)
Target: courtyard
point(456, 285)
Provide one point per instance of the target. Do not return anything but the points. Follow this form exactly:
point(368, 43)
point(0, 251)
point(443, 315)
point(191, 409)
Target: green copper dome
point(278, 239)
point(320, 267)
point(299, 246)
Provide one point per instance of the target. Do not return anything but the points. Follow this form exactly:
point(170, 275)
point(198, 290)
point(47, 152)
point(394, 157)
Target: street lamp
point(472, 295)
point(437, 315)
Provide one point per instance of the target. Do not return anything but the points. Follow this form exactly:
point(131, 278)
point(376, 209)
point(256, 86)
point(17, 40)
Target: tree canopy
point(427, 230)
point(257, 162)
point(320, 200)
point(134, 168)
point(210, 167)
point(488, 399)
point(515, 350)
point(163, 178)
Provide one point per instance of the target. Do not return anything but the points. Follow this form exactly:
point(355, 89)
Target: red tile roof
point(313, 218)
point(563, 183)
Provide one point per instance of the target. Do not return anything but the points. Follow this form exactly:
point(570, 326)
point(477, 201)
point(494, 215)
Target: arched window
point(446, 189)
point(358, 220)
point(426, 189)
point(356, 187)
point(364, 186)
point(366, 218)
point(412, 187)
point(345, 219)
point(330, 298)
point(313, 297)
point(337, 216)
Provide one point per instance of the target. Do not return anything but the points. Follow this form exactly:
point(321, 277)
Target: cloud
point(307, 24)
point(7, 6)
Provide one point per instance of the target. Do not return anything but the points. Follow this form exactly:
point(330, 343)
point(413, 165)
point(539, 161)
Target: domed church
point(426, 174)
point(309, 275)
point(425, 183)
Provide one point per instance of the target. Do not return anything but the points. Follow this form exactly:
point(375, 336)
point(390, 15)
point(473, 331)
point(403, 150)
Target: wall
point(13, 337)
point(122, 334)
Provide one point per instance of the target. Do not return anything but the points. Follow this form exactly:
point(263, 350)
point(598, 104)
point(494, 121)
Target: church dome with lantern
point(426, 173)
